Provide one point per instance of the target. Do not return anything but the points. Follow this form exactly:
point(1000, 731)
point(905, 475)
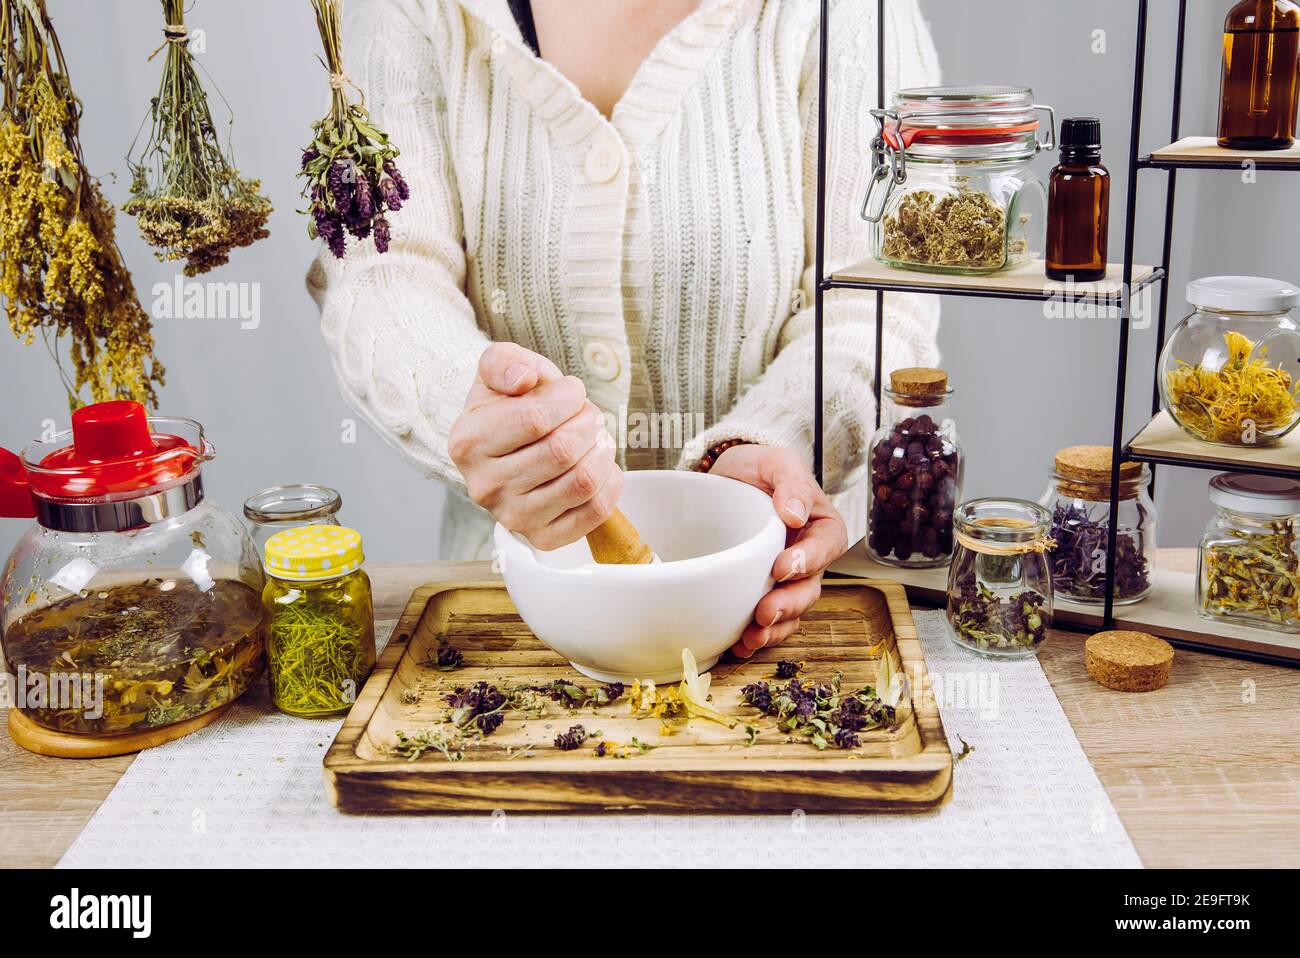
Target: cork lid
point(919, 381)
point(1091, 464)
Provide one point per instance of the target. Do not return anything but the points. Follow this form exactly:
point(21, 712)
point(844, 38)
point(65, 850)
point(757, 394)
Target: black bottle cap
point(1081, 134)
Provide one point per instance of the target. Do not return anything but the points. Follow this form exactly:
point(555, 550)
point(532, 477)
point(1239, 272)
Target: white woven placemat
point(248, 791)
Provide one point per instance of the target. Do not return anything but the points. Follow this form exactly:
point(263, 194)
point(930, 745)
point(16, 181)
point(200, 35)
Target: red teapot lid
point(111, 452)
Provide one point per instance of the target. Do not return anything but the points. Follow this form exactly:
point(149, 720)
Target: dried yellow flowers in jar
point(1228, 374)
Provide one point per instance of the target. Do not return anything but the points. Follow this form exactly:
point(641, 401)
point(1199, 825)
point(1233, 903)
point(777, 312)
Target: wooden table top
point(1205, 772)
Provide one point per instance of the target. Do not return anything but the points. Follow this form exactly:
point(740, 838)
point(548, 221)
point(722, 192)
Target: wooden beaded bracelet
point(709, 459)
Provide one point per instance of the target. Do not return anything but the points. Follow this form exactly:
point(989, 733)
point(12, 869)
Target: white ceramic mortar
point(718, 539)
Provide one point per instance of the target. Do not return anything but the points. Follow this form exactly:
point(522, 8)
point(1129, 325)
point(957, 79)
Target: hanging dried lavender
point(188, 199)
point(61, 272)
point(352, 179)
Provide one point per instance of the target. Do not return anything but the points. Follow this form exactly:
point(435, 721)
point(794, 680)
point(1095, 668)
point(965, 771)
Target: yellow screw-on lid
point(313, 552)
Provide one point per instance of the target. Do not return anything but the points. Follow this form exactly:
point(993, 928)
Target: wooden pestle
point(616, 542)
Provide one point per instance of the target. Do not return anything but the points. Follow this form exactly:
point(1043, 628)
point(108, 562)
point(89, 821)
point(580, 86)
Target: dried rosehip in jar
point(916, 468)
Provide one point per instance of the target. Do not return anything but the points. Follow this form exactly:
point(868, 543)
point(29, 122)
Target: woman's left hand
point(817, 537)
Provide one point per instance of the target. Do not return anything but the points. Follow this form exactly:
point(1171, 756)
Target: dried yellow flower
point(1243, 402)
point(60, 269)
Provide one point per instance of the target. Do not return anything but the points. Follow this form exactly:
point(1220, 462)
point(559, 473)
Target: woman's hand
point(817, 537)
point(534, 450)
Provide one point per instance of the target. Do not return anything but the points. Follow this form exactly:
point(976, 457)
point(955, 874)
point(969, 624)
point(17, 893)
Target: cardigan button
point(603, 162)
point(602, 362)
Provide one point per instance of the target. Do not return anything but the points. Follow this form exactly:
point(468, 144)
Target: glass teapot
point(134, 603)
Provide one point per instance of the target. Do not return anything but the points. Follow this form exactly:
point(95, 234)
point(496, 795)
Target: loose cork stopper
point(919, 381)
point(1128, 661)
point(1092, 464)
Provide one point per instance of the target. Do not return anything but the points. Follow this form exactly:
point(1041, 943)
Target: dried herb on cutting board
point(573, 738)
point(187, 196)
point(963, 229)
point(823, 713)
point(574, 696)
point(1240, 403)
point(61, 273)
point(1256, 576)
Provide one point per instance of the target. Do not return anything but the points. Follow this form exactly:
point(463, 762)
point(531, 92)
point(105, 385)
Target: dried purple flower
point(403, 190)
point(1078, 559)
point(340, 182)
point(572, 739)
point(820, 711)
point(788, 670)
point(759, 695)
point(349, 165)
point(477, 707)
point(448, 658)
point(389, 194)
point(845, 738)
point(571, 695)
point(363, 199)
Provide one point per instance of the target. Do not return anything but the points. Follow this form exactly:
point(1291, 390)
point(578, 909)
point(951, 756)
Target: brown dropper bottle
point(1078, 205)
point(1261, 76)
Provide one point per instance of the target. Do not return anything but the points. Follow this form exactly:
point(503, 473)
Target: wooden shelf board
point(1195, 150)
point(1163, 439)
point(1167, 612)
point(1026, 279)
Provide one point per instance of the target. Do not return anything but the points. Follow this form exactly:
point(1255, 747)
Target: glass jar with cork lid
point(954, 189)
point(1078, 497)
point(916, 467)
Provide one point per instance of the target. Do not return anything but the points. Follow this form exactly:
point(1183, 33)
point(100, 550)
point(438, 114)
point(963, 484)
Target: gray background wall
point(1027, 384)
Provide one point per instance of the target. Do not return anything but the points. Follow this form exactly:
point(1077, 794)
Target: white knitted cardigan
point(664, 256)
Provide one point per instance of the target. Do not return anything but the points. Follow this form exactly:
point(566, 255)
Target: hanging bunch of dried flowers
point(352, 179)
point(60, 269)
point(186, 194)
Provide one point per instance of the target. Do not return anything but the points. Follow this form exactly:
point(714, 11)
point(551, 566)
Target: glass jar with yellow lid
point(320, 619)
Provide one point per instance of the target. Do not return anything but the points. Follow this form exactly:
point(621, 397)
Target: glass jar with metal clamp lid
point(953, 189)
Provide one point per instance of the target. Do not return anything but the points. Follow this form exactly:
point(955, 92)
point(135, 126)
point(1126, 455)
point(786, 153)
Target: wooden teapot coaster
point(44, 741)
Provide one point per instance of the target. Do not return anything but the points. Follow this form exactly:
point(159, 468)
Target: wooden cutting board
point(705, 767)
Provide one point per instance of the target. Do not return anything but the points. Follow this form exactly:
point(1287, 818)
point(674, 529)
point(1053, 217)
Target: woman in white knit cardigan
point(629, 218)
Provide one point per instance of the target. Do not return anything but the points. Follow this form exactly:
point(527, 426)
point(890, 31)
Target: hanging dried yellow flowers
point(1246, 401)
point(188, 198)
point(60, 269)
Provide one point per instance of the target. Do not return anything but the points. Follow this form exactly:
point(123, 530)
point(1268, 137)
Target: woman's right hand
point(533, 450)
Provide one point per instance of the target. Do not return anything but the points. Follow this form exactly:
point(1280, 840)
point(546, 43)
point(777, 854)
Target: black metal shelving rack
point(1122, 451)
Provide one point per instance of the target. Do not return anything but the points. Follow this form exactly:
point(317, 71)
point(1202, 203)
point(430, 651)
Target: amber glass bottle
point(1078, 205)
point(1261, 76)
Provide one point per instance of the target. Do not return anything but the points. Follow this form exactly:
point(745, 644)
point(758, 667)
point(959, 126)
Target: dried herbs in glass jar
point(954, 189)
point(320, 619)
point(1078, 496)
point(999, 583)
point(1249, 569)
point(916, 471)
